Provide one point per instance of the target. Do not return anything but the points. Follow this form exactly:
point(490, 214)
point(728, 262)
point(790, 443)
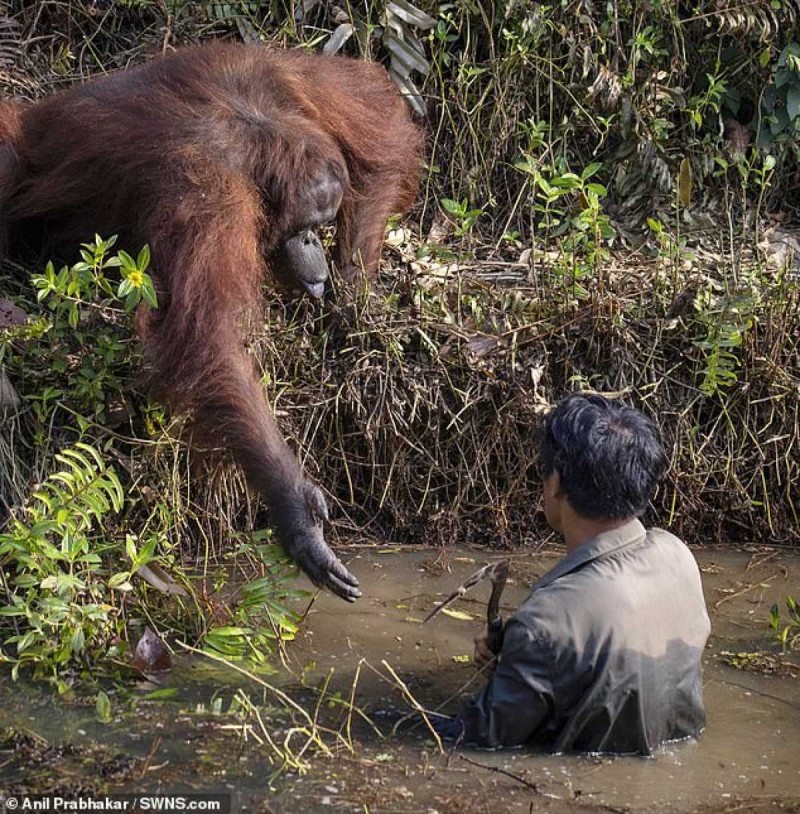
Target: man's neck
point(579, 530)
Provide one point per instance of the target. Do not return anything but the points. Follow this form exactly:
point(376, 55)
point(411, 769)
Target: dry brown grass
point(421, 418)
point(417, 408)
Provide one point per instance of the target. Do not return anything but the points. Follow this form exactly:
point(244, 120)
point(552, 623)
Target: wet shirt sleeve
point(518, 700)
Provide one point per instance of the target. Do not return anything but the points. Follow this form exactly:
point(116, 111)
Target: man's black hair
point(608, 456)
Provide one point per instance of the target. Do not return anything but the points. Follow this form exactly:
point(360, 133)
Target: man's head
point(602, 458)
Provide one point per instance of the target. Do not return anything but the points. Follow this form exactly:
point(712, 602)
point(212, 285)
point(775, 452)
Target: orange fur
point(203, 155)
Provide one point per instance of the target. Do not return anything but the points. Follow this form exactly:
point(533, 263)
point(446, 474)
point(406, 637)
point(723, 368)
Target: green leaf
point(793, 102)
point(118, 579)
point(143, 260)
point(228, 630)
point(452, 207)
point(78, 640)
point(161, 695)
point(590, 171)
point(791, 50)
point(128, 263)
point(103, 707)
point(764, 137)
point(768, 99)
point(597, 189)
point(9, 610)
point(26, 581)
point(779, 122)
point(149, 296)
point(566, 181)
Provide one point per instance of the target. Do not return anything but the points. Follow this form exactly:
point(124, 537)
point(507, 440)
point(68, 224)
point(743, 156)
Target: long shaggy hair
point(205, 156)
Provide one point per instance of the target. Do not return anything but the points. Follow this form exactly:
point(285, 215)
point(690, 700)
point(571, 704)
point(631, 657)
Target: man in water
point(605, 653)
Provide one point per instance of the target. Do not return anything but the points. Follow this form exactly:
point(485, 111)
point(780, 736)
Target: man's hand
point(483, 655)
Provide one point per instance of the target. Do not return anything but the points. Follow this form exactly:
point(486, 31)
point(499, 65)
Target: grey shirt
point(605, 653)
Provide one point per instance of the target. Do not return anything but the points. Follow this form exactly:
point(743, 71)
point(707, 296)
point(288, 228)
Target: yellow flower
point(136, 279)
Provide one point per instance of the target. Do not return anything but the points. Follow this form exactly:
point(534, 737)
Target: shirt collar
point(605, 543)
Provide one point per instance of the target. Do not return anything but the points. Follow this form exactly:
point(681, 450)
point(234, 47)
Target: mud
point(377, 653)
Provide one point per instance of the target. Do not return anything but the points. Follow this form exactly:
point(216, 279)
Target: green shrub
point(73, 551)
point(787, 634)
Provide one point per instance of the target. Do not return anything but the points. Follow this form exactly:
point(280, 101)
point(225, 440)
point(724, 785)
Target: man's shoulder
point(662, 535)
point(606, 580)
point(661, 540)
point(542, 609)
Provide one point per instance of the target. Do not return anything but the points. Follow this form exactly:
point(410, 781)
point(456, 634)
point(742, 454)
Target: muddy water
point(748, 759)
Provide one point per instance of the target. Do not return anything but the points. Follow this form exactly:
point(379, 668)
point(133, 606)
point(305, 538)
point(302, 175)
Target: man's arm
point(518, 699)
